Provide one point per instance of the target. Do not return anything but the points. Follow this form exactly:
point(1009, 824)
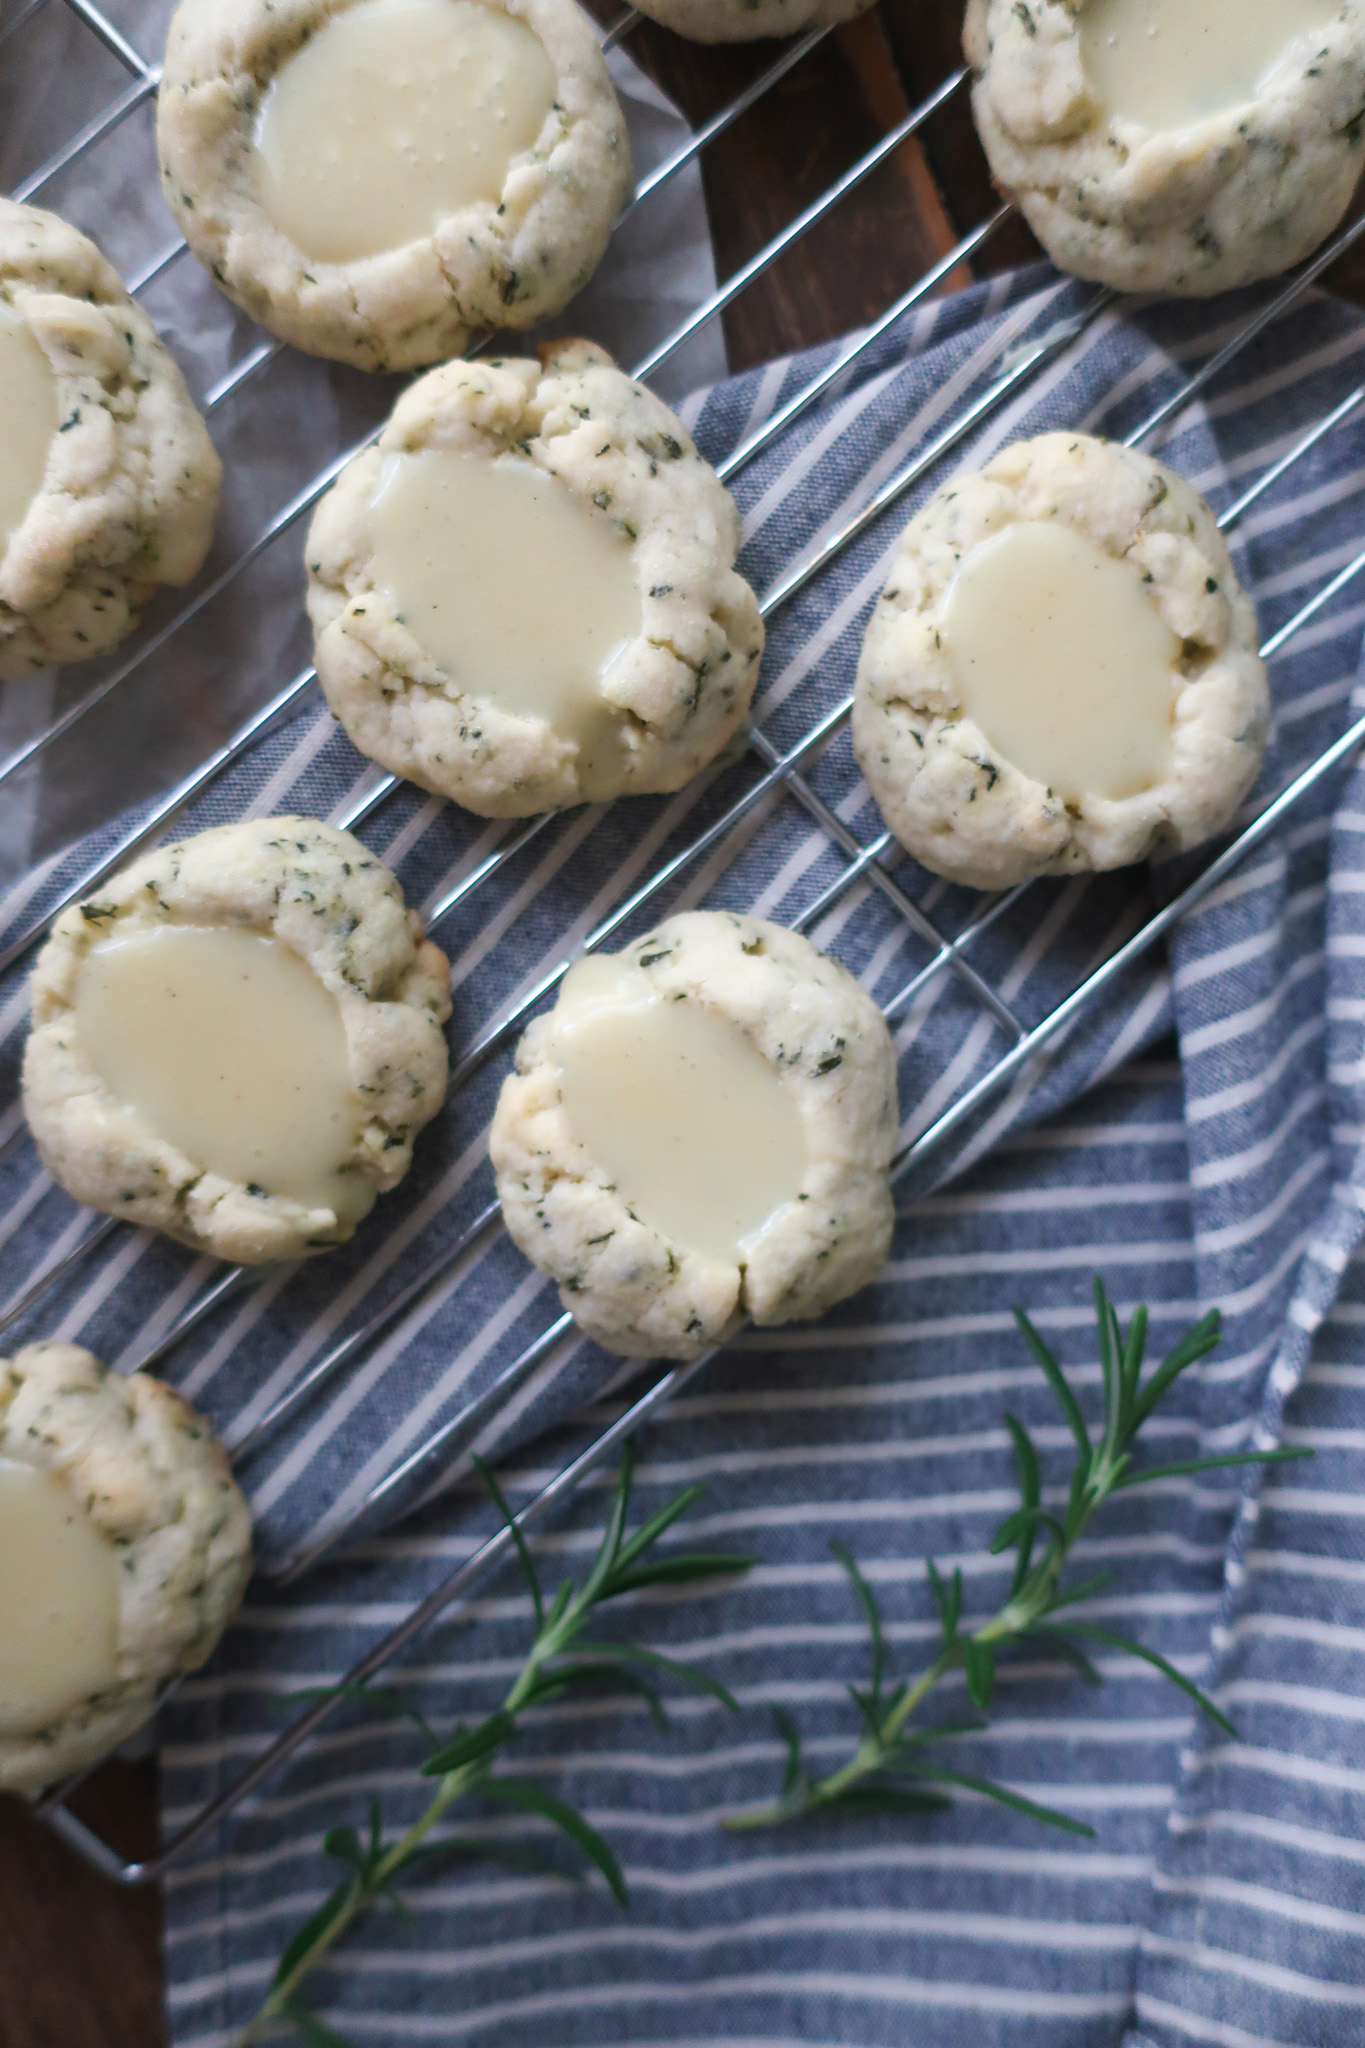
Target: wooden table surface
point(80, 1960)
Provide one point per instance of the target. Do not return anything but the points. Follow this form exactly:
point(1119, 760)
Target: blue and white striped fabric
point(1225, 1898)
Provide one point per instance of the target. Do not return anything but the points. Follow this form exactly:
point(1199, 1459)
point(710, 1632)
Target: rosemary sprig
point(561, 1657)
point(890, 1769)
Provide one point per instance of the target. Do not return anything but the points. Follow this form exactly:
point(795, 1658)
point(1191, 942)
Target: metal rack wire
point(782, 776)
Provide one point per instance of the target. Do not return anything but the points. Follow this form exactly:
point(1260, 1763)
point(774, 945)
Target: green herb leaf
point(979, 1664)
point(609, 1548)
point(1023, 1522)
point(1026, 1458)
point(875, 1796)
point(690, 1675)
point(343, 1846)
point(648, 1533)
point(1084, 1589)
point(1004, 1797)
point(469, 1745)
point(327, 1916)
point(1193, 1345)
point(868, 1710)
point(940, 1731)
point(1070, 1653)
point(1158, 1662)
point(1134, 1350)
point(383, 1700)
point(1110, 1369)
point(1056, 1379)
point(680, 1571)
point(872, 1617)
point(529, 1573)
point(617, 1676)
point(937, 1731)
point(942, 1599)
point(399, 1904)
point(531, 1798)
point(1288, 1456)
point(558, 1608)
point(794, 1779)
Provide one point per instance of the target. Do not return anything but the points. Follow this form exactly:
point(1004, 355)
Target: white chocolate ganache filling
point(1170, 63)
point(523, 595)
point(233, 1052)
point(698, 1131)
point(394, 115)
point(28, 419)
point(1063, 661)
point(59, 1602)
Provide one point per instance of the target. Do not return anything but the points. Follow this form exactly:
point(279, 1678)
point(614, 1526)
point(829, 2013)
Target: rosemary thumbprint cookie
point(374, 180)
point(125, 1547)
point(237, 1041)
point(1061, 672)
point(524, 596)
point(700, 1131)
point(108, 479)
point(1172, 145)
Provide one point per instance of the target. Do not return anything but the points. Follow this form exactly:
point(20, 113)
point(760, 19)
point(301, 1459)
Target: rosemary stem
point(363, 1891)
point(877, 1747)
point(366, 1888)
point(870, 1756)
point(894, 1722)
point(559, 1657)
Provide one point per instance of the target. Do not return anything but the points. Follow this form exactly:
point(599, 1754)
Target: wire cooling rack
point(865, 863)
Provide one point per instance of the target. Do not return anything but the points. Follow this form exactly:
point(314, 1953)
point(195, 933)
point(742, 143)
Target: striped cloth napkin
point(1211, 1159)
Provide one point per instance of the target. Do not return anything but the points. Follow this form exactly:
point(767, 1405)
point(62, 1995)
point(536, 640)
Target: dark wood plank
point(925, 37)
point(1347, 276)
point(80, 1958)
point(782, 155)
